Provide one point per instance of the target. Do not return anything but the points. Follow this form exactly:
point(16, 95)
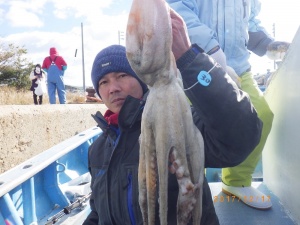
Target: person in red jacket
point(55, 66)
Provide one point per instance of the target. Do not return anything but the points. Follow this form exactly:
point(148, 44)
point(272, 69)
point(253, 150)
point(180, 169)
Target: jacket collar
point(130, 113)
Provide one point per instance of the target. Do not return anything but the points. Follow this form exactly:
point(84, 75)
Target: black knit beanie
point(112, 59)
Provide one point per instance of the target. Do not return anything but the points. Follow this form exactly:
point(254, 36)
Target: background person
point(228, 30)
point(36, 74)
point(55, 66)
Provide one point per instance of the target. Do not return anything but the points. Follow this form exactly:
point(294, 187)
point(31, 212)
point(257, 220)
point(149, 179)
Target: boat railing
point(37, 189)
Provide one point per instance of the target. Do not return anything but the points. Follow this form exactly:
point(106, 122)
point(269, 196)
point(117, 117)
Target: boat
point(53, 187)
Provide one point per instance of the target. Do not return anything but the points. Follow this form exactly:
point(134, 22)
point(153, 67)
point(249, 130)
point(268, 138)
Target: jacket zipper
point(129, 200)
point(142, 104)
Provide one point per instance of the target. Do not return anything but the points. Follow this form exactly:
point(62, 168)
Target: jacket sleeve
point(46, 64)
point(259, 38)
point(63, 62)
point(199, 33)
point(92, 218)
point(223, 113)
point(31, 76)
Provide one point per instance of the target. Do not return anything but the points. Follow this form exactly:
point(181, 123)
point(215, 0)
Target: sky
point(38, 25)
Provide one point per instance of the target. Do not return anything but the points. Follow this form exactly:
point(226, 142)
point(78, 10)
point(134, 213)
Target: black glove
point(276, 50)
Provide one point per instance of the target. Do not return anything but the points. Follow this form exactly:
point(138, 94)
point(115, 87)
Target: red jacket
point(59, 61)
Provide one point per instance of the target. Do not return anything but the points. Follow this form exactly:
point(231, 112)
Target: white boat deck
point(233, 212)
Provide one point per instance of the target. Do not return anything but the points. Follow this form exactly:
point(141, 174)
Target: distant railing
point(37, 189)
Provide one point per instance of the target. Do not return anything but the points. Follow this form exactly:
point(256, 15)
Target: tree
point(14, 66)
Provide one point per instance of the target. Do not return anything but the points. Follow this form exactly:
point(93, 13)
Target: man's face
point(115, 87)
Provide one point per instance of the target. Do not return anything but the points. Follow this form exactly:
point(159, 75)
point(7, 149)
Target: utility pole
point(121, 36)
point(274, 38)
point(83, 71)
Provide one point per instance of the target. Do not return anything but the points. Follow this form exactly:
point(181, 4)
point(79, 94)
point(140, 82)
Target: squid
point(168, 134)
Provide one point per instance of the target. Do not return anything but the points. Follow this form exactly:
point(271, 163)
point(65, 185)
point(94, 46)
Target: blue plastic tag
point(204, 78)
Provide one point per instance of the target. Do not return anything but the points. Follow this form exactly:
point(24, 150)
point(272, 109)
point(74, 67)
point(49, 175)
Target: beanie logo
point(105, 64)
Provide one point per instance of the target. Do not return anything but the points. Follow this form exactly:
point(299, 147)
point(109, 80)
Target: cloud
point(56, 23)
point(67, 8)
point(22, 18)
point(100, 29)
point(23, 14)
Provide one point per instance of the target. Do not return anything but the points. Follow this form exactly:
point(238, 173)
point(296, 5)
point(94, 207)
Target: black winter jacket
point(224, 115)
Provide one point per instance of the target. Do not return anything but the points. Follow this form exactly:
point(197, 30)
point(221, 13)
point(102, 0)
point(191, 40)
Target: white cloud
point(99, 31)
point(99, 26)
point(66, 8)
point(23, 14)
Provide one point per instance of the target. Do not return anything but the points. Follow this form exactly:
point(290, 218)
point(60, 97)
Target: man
point(55, 66)
point(227, 30)
point(114, 156)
